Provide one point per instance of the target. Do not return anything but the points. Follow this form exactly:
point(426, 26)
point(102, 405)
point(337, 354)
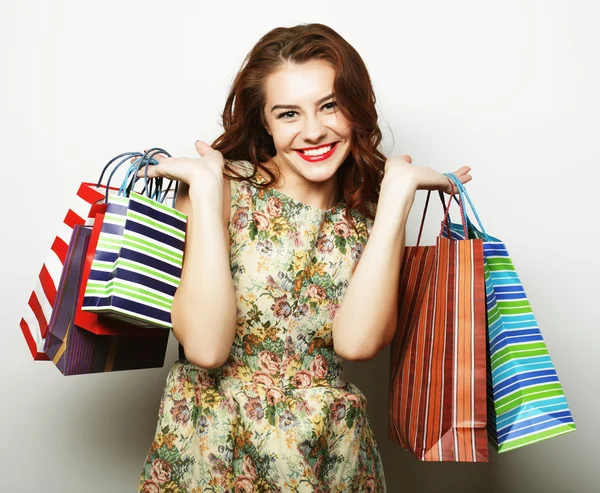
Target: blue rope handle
point(125, 190)
point(463, 194)
point(161, 195)
point(126, 156)
point(144, 159)
point(131, 174)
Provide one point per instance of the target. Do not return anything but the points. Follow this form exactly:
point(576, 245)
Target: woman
point(272, 296)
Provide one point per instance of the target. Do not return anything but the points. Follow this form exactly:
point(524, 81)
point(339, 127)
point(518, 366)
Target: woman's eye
point(286, 114)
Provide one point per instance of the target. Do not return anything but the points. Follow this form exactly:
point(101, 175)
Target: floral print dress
point(278, 416)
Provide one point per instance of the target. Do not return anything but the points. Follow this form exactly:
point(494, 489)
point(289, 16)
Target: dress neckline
point(337, 207)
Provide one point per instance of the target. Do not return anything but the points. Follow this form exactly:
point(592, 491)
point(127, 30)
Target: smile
point(318, 153)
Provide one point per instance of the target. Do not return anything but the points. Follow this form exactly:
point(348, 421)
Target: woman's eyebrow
point(296, 107)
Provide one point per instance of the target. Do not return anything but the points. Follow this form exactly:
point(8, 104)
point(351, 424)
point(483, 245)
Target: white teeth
point(318, 152)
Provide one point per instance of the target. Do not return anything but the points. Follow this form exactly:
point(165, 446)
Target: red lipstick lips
point(321, 157)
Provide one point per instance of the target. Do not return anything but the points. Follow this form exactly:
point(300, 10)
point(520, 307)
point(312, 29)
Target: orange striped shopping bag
point(437, 398)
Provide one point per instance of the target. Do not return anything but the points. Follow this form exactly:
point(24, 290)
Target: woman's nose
point(313, 130)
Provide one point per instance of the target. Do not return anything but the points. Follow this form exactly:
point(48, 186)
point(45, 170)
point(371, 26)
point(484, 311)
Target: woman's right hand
point(208, 167)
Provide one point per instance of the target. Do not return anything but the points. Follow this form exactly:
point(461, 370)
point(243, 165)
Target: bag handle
point(159, 195)
point(124, 157)
point(467, 219)
point(463, 194)
point(127, 185)
point(445, 221)
point(144, 159)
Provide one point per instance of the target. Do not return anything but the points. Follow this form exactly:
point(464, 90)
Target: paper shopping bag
point(138, 261)
point(75, 351)
point(93, 322)
point(38, 311)
point(526, 400)
point(438, 360)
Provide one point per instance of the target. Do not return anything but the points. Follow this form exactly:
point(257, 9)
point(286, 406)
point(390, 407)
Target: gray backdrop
point(509, 88)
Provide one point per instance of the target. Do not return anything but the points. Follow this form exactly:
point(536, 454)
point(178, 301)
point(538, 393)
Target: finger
point(137, 158)
point(202, 147)
point(464, 178)
point(152, 172)
point(463, 170)
point(158, 156)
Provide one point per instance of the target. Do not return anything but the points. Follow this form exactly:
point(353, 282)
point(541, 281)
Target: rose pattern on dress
point(278, 416)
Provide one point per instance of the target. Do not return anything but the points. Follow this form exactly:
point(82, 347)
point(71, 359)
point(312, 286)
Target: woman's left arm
point(366, 320)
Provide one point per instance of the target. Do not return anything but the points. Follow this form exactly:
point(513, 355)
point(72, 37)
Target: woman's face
point(311, 136)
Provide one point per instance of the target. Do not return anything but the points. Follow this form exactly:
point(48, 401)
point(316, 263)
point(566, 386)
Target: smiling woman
point(299, 91)
point(275, 413)
point(272, 297)
point(311, 136)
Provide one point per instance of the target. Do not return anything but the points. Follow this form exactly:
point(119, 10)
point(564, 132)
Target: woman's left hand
point(399, 171)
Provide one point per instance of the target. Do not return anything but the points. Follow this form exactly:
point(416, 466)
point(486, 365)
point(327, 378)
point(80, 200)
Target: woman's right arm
point(204, 309)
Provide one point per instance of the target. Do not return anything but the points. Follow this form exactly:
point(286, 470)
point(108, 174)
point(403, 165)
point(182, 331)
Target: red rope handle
point(446, 212)
point(462, 212)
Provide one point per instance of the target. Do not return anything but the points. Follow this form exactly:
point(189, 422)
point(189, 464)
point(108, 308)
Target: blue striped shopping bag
point(138, 260)
point(526, 403)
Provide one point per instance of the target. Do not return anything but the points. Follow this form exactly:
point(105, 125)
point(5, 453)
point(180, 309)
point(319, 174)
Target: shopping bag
point(526, 400)
point(75, 351)
point(437, 398)
point(137, 265)
point(92, 322)
point(34, 324)
point(83, 210)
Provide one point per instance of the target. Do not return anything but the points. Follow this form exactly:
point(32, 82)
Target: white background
point(509, 88)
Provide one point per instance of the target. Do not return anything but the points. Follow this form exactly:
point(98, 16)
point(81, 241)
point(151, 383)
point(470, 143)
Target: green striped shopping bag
point(526, 403)
point(138, 260)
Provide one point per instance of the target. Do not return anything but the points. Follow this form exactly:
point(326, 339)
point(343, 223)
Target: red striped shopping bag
point(38, 310)
point(437, 398)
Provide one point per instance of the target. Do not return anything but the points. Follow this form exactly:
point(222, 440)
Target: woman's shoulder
point(371, 208)
point(241, 167)
point(238, 181)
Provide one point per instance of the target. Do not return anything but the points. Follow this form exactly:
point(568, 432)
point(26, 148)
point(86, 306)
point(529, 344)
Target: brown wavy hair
point(246, 138)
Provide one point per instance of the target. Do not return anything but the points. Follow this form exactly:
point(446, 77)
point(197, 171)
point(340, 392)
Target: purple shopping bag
point(76, 351)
